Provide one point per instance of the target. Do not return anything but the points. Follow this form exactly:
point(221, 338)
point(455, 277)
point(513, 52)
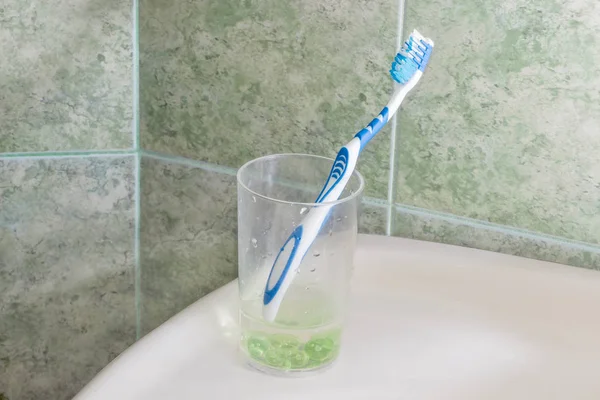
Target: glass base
point(288, 373)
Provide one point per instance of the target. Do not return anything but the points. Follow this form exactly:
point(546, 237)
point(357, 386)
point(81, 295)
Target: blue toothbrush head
point(413, 57)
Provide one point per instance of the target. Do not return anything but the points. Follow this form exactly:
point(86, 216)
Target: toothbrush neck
point(369, 131)
point(401, 92)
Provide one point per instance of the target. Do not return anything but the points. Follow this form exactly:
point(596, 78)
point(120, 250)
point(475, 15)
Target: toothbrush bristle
point(413, 57)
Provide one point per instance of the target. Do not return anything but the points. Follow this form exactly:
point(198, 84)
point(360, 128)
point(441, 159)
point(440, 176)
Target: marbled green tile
point(188, 237)
point(225, 81)
point(372, 219)
point(418, 224)
point(65, 75)
point(504, 125)
point(66, 272)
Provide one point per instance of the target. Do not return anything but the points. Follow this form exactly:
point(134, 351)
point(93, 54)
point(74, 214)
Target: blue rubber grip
point(270, 293)
point(338, 169)
point(369, 132)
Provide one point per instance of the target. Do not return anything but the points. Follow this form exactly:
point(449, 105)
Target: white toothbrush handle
point(400, 93)
point(290, 256)
point(298, 243)
point(369, 132)
point(289, 259)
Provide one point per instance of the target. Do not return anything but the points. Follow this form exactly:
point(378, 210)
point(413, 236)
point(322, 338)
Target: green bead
point(319, 349)
point(286, 344)
point(257, 347)
point(298, 359)
point(275, 359)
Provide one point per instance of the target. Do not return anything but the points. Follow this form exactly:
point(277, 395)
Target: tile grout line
point(135, 131)
point(375, 202)
point(490, 226)
point(394, 131)
point(371, 201)
point(190, 162)
point(68, 154)
point(136, 244)
point(381, 203)
point(138, 169)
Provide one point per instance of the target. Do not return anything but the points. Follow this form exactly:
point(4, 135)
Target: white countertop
point(427, 321)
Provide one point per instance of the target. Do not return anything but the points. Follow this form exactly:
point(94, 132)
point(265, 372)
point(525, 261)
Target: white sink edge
point(473, 306)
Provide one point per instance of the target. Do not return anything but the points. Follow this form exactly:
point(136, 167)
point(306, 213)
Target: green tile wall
point(373, 218)
point(65, 75)
point(504, 127)
point(188, 236)
point(66, 272)
point(225, 81)
point(414, 223)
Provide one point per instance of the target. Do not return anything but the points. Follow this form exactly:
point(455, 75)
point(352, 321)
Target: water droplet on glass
point(298, 271)
point(254, 199)
point(269, 254)
point(254, 243)
point(294, 224)
point(313, 270)
point(303, 210)
point(345, 217)
point(263, 256)
point(338, 219)
point(331, 232)
point(306, 288)
point(316, 254)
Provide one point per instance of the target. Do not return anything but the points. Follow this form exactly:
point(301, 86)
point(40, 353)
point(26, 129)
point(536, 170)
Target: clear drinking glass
point(275, 193)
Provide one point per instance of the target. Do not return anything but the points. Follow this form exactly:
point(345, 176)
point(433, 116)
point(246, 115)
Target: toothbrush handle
point(368, 132)
point(290, 255)
point(350, 153)
point(288, 260)
point(296, 246)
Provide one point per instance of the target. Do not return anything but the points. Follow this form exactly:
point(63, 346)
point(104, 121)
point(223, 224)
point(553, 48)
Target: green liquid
point(289, 352)
point(305, 335)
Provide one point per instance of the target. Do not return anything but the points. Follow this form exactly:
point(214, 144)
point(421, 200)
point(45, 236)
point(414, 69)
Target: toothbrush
point(407, 68)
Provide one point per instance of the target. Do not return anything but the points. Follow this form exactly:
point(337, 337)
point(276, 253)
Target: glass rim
point(351, 196)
